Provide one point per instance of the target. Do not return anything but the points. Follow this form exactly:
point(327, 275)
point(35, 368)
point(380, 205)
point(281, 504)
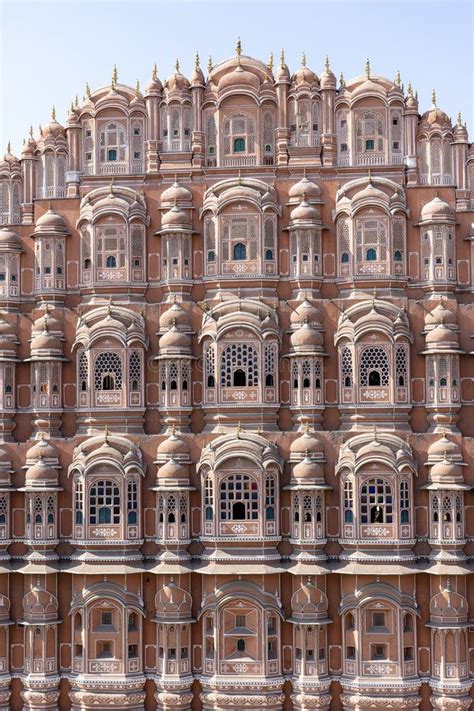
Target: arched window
point(404, 502)
point(239, 366)
point(376, 502)
point(374, 369)
point(397, 256)
point(239, 498)
point(348, 502)
point(112, 154)
point(270, 494)
point(371, 255)
point(239, 145)
point(345, 258)
point(239, 135)
point(132, 502)
point(104, 503)
point(112, 143)
point(111, 262)
point(108, 372)
point(240, 251)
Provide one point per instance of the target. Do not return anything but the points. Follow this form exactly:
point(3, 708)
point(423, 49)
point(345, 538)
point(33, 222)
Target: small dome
point(42, 449)
point(449, 604)
point(197, 78)
point(238, 78)
point(176, 218)
point(445, 472)
point(154, 85)
point(442, 335)
point(435, 116)
point(304, 211)
point(52, 129)
point(304, 75)
point(306, 337)
point(51, 220)
point(438, 210)
point(6, 328)
point(305, 313)
point(304, 188)
point(41, 474)
point(172, 470)
point(175, 339)
point(177, 81)
point(173, 601)
point(45, 341)
point(441, 314)
point(173, 446)
point(370, 193)
point(176, 193)
point(328, 79)
point(411, 102)
point(307, 443)
point(282, 73)
point(307, 469)
point(46, 322)
point(8, 238)
point(444, 448)
point(175, 315)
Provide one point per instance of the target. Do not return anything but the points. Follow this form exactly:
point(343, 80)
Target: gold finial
point(31, 131)
point(369, 176)
point(72, 106)
point(327, 66)
point(375, 433)
point(76, 101)
point(459, 120)
point(197, 61)
point(209, 64)
point(433, 97)
point(270, 62)
point(154, 74)
point(416, 94)
point(303, 59)
point(282, 58)
point(88, 90)
point(239, 430)
point(106, 433)
point(137, 88)
point(112, 186)
point(238, 49)
point(53, 113)
point(410, 89)
point(342, 81)
point(177, 65)
point(398, 78)
point(367, 69)
point(9, 147)
point(114, 75)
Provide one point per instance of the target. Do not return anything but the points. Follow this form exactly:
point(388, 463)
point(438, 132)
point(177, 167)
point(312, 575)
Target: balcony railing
point(236, 161)
point(58, 192)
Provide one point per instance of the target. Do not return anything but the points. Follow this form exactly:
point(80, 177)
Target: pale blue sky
point(50, 49)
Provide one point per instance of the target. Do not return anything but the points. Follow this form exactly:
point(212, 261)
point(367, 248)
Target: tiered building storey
point(237, 399)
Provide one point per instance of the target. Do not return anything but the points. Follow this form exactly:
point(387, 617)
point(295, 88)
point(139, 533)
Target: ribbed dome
point(173, 446)
point(444, 448)
point(240, 78)
point(8, 238)
point(42, 449)
point(47, 322)
point(441, 335)
point(449, 605)
point(434, 115)
point(52, 129)
point(304, 211)
point(172, 470)
point(175, 339)
point(307, 469)
point(304, 75)
point(176, 218)
point(305, 313)
point(304, 188)
point(51, 220)
point(446, 472)
point(306, 337)
point(176, 193)
point(440, 314)
point(177, 82)
point(306, 443)
point(41, 474)
point(437, 209)
point(45, 341)
point(175, 315)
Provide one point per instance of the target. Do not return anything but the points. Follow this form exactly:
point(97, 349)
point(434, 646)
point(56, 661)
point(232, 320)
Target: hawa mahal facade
point(237, 398)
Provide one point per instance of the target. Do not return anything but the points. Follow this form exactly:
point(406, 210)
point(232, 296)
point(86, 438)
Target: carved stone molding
point(359, 702)
point(255, 701)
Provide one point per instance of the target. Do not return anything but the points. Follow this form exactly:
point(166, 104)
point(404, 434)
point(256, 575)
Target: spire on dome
point(369, 176)
point(31, 131)
point(342, 81)
point(154, 74)
point(270, 62)
point(76, 101)
point(238, 48)
point(327, 66)
point(282, 58)
point(398, 79)
point(197, 62)
point(367, 69)
point(433, 99)
point(53, 113)
point(177, 65)
point(114, 75)
point(9, 147)
point(137, 88)
point(209, 64)
point(459, 120)
point(410, 89)
point(303, 59)
point(88, 90)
